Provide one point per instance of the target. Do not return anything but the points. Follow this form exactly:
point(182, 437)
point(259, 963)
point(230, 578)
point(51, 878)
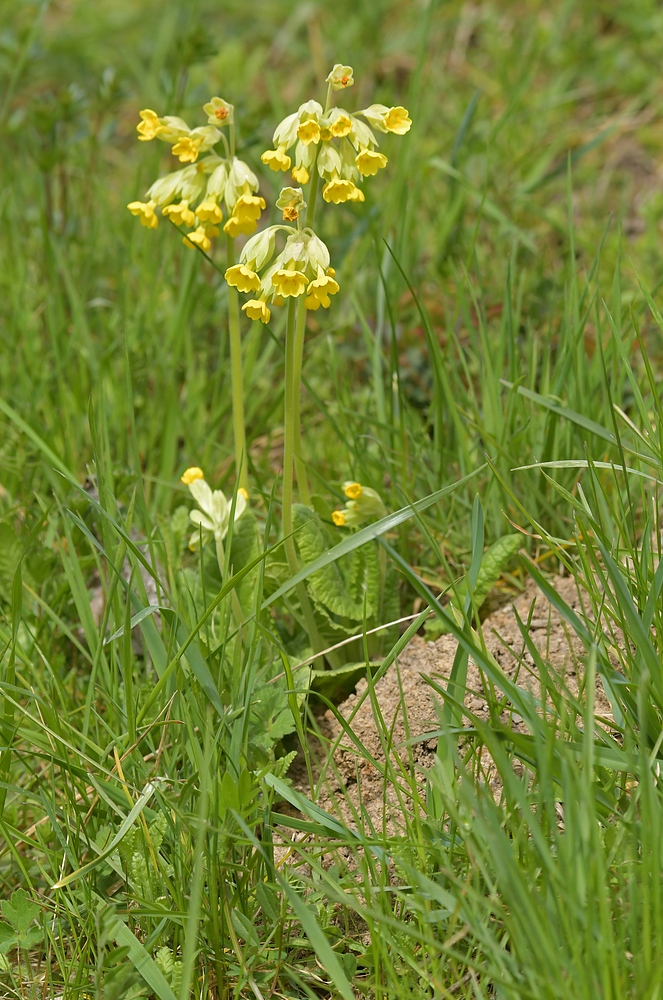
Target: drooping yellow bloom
point(243, 278)
point(209, 211)
point(309, 131)
point(144, 210)
point(341, 127)
point(352, 490)
point(201, 237)
point(369, 161)
point(338, 190)
point(180, 213)
point(338, 517)
point(357, 194)
point(187, 148)
point(289, 282)
point(276, 159)
point(191, 475)
point(248, 207)
point(319, 291)
point(397, 120)
point(235, 227)
point(300, 174)
point(257, 309)
point(147, 127)
point(341, 77)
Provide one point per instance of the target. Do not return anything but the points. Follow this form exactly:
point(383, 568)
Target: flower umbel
point(212, 518)
point(363, 504)
point(339, 144)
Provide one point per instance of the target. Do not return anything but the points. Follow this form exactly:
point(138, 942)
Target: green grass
point(499, 310)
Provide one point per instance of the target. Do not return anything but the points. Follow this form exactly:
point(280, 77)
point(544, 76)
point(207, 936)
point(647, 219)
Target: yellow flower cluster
point(339, 145)
point(301, 268)
point(192, 196)
point(363, 504)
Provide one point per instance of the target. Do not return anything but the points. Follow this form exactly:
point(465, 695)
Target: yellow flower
point(397, 120)
point(147, 128)
point(300, 174)
point(320, 290)
point(369, 161)
point(289, 282)
point(243, 278)
point(257, 309)
point(357, 194)
point(219, 111)
point(180, 214)
point(326, 134)
point(309, 131)
point(187, 148)
point(352, 490)
point(241, 492)
point(276, 159)
point(341, 127)
point(338, 517)
point(145, 212)
point(191, 475)
point(200, 237)
point(338, 190)
point(248, 208)
point(340, 77)
point(209, 211)
point(235, 227)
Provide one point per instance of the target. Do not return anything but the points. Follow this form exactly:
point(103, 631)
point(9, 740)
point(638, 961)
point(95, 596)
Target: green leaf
point(493, 563)
point(19, 911)
point(366, 534)
point(141, 960)
point(347, 587)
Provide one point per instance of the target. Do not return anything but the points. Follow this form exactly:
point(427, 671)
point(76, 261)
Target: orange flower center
point(221, 113)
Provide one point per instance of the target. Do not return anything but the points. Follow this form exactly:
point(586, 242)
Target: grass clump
point(215, 519)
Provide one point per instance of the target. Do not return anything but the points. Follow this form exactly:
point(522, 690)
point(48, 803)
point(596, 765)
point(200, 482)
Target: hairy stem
point(236, 377)
point(297, 359)
point(289, 445)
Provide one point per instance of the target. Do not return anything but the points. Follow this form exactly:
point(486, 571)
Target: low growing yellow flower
point(243, 278)
point(300, 174)
point(209, 211)
point(257, 309)
point(191, 475)
point(235, 227)
point(289, 283)
point(309, 131)
point(338, 190)
point(201, 237)
point(341, 126)
point(397, 120)
point(319, 291)
point(364, 504)
point(180, 213)
point(144, 210)
point(187, 148)
point(248, 207)
point(369, 161)
point(147, 127)
point(276, 159)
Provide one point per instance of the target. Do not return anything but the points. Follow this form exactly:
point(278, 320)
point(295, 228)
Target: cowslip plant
point(192, 197)
point(340, 148)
